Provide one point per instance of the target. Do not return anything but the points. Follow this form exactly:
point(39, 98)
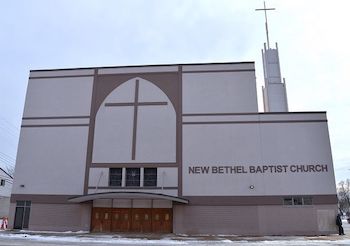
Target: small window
point(150, 177)
point(298, 201)
point(132, 177)
point(288, 201)
point(115, 177)
point(307, 200)
point(146, 216)
point(106, 216)
point(2, 182)
point(97, 216)
point(20, 203)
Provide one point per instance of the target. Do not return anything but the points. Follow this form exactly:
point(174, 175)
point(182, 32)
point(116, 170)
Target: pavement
point(32, 238)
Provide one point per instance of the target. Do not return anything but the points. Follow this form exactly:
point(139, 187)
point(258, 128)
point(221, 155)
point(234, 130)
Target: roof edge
point(152, 65)
point(125, 194)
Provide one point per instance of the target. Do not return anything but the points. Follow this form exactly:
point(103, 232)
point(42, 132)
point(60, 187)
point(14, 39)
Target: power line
point(7, 160)
point(10, 124)
point(7, 156)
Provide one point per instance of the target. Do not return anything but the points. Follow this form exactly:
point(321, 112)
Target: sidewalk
point(31, 238)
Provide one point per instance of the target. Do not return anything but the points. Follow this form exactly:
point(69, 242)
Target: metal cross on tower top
point(267, 30)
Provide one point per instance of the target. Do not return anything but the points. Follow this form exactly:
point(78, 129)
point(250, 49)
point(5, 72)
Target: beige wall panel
point(102, 203)
point(162, 204)
point(214, 67)
point(53, 73)
point(4, 206)
point(98, 177)
point(58, 97)
point(213, 145)
point(298, 143)
point(240, 220)
point(251, 220)
point(245, 145)
point(289, 220)
point(12, 215)
point(60, 217)
point(55, 122)
point(156, 134)
point(227, 92)
point(113, 135)
point(141, 203)
point(146, 69)
point(122, 203)
point(58, 158)
point(167, 177)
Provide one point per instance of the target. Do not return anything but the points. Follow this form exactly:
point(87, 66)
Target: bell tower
point(274, 91)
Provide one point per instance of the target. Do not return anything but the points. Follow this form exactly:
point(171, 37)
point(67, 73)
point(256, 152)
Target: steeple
point(274, 91)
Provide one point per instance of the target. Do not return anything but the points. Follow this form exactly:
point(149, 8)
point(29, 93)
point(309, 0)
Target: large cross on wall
point(135, 104)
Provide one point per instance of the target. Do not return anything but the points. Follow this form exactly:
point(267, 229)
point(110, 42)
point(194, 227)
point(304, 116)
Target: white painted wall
point(167, 177)
point(219, 92)
point(257, 144)
point(58, 97)
point(98, 177)
point(51, 160)
point(156, 127)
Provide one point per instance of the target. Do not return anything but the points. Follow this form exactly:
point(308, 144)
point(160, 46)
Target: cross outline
point(136, 104)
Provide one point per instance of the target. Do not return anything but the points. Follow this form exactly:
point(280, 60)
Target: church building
point(178, 148)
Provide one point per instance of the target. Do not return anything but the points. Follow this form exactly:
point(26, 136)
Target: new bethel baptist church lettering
point(256, 169)
point(178, 148)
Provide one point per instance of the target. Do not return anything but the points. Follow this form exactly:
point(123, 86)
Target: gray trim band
point(134, 130)
point(193, 200)
point(131, 188)
point(250, 122)
point(220, 71)
point(48, 199)
point(55, 117)
point(91, 133)
point(253, 113)
point(256, 200)
point(57, 76)
point(154, 65)
point(164, 164)
point(56, 125)
point(136, 104)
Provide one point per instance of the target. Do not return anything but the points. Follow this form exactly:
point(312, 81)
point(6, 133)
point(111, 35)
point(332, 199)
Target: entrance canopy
point(126, 195)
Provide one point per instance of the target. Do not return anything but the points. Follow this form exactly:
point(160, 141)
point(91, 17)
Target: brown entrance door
point(141, 220)
point(162, 220)
point(157, 220)
point(101, 220)
point(121, 219)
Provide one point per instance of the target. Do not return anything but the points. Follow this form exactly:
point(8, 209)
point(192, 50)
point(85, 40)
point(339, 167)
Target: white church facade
point(178, 148)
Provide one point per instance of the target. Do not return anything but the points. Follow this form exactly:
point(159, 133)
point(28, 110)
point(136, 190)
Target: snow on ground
point(84, 238)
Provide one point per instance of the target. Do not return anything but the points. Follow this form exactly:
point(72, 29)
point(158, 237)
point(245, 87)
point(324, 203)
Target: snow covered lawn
point(83, 238)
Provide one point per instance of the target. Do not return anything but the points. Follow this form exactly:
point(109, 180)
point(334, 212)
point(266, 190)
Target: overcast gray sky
point(313, 38)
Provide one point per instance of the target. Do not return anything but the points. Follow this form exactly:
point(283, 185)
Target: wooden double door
point(158, 220)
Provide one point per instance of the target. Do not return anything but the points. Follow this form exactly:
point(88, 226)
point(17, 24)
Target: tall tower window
point(115, 177)
point(150, 177)
point(132, 177)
